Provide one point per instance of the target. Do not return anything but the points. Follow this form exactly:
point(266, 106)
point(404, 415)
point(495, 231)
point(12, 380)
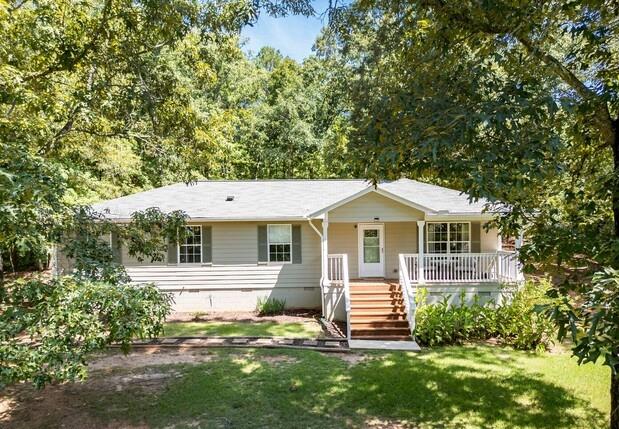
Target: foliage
point(513, 322)
point(147, 235)
point(48, 327)
point(267, 306)
point(511, 101)
point(593, 324)
point(519, 325)
point(516, 102)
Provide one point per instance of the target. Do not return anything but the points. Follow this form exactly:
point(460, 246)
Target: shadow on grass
point(455, 387)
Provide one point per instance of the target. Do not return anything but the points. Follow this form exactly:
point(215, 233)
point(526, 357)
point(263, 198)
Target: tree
point(512, 101)
point(99, 98)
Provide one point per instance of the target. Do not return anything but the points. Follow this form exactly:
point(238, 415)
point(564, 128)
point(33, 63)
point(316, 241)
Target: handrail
point(407, 290)
point(337, 271)
point(346, 293)
point(486, 267)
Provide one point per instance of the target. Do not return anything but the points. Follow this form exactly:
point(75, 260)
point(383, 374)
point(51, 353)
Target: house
point(355, 250)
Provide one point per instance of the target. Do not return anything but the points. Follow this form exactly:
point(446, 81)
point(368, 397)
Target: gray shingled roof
point(279, 199)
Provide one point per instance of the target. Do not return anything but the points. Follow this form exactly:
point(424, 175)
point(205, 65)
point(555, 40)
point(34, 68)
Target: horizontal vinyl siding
point(343, 239)
point(373, 205)
point(235, 264)
point(400, 237)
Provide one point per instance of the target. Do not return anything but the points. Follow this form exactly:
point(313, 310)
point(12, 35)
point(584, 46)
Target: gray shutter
point(172, 253)
point(207, 244)
point(263, 251)
point(117, 255)
point(296, 244)
point(475, 237)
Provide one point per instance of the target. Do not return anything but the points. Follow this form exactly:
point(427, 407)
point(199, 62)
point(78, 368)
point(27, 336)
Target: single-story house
point(356, 251)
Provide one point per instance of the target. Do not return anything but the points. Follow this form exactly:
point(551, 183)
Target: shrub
point(522, 327)
point(514, 323)
point(270, 306)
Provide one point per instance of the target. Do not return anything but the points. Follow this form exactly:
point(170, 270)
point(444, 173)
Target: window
point(190, 251)
point(449, 237)
point(280, 243)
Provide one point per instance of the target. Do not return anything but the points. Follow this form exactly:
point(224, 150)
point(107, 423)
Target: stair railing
point(338, 275)
point(408, 293)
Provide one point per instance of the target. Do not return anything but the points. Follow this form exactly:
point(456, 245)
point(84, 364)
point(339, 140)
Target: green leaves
point(48, 327)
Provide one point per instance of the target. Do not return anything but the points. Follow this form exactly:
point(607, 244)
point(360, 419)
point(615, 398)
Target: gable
point(372, 205)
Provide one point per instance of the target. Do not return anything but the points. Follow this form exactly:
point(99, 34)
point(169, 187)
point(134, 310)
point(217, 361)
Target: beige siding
point(235, 269)
point(489, 240)
point(400, 237)
point(371, 206)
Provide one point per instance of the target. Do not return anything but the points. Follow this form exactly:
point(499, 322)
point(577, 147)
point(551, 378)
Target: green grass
point(310, 329)
point(453, 387)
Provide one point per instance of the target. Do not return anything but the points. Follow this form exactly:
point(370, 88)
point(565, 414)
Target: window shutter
point(172, 253)
point(475, 237)
point(207, 244)
point(296, 244)
point(116, 249)
point(263, 251)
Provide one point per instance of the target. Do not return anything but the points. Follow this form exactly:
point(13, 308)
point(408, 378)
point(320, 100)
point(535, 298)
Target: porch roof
point(284, 199)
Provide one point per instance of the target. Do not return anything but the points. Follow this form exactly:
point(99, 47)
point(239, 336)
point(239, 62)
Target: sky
point(294, 36)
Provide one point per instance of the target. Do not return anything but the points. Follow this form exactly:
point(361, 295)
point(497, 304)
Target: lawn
point(306, 329)
point(453, 387)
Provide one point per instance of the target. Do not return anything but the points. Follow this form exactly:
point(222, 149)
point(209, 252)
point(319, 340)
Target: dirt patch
point(274, 360)
point(351, 358)
point(150, 357)
point(60, 406)
point(298, 316)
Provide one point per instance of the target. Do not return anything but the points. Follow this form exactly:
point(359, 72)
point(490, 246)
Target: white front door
point(371, 250)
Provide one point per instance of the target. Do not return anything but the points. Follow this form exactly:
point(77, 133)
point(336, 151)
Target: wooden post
point(421, 262)
point(325, 251)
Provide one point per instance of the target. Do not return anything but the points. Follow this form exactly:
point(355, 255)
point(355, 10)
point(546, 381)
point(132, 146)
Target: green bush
point(522, 327)
point(270, 306)
point(514, 323)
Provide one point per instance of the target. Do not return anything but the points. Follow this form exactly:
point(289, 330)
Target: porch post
point(325, 251)
point(518, 245)
point(421, 251)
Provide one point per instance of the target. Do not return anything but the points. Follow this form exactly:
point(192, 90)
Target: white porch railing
point(501, 267)
point(338, 276)
point(408, 292)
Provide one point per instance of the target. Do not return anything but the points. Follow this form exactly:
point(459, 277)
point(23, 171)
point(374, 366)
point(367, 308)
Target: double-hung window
point(190, 249)
point(449, 237)
point(280, 243)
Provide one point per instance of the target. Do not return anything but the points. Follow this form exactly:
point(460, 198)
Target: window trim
point(269, 225)
point(178, 249)
point(427, 240)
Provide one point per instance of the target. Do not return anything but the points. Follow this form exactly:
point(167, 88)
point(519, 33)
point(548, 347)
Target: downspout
point(322, 269)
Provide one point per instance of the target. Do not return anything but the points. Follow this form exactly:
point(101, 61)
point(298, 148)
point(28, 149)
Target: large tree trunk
point(614, 398)
point(614, 378)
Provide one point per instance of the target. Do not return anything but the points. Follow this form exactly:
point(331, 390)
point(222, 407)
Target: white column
point(325, 250)
point(421, 251)
point(518, 245)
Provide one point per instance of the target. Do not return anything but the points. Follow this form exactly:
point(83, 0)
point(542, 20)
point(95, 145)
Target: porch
point(378, 308)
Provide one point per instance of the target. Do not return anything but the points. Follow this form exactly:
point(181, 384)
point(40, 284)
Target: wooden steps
point(377, 311)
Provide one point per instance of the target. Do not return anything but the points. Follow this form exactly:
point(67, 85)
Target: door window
point(371, 246)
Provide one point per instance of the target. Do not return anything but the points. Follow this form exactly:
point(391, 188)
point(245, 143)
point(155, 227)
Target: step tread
point(383, 337)
point(368, 306)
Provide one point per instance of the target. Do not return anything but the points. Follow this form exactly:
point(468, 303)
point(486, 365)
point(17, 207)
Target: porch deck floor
point(410, 346)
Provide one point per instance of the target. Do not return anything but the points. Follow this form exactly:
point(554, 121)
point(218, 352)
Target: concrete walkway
point(321, 344)
point(409, 346)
